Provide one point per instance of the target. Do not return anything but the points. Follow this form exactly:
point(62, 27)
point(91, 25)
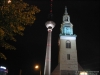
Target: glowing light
point(2, 67)
point(83, 73)
point(68, 37)
point(36, 66)
point(9, 1)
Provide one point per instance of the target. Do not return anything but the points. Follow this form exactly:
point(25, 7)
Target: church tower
point(68, 63)
point(68, 52)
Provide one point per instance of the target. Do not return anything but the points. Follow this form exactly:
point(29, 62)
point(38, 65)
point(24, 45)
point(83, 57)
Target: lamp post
point(38, 67)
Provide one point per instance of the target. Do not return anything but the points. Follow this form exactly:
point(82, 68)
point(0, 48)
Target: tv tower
point(50, 25)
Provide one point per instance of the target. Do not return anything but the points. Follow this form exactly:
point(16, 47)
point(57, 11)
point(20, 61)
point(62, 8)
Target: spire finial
point(50, 16)
point(66, 10)
point(51, 6)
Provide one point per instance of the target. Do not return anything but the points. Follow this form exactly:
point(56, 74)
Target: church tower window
point(68, 44)
point(68, 56)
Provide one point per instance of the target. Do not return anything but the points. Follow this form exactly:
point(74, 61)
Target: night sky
point(31, 48)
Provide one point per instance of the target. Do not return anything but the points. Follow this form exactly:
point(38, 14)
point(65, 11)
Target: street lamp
point(38, 67)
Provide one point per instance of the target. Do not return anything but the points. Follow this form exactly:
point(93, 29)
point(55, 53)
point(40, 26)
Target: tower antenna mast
point(51, 6)
point(50, 25)
point(50, 14)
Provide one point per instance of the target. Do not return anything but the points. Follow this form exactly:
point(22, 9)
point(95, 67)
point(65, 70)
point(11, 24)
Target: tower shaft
point(47, 68)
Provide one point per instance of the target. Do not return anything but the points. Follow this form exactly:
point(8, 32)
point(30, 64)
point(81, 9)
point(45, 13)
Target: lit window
point(68, 44)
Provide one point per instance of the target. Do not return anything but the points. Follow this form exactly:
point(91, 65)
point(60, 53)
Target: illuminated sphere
point(50, 24)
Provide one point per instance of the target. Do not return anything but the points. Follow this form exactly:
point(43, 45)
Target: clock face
point(68, 30)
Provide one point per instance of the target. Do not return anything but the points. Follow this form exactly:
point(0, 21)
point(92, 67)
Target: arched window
point(68, 44)
point(66, 18)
